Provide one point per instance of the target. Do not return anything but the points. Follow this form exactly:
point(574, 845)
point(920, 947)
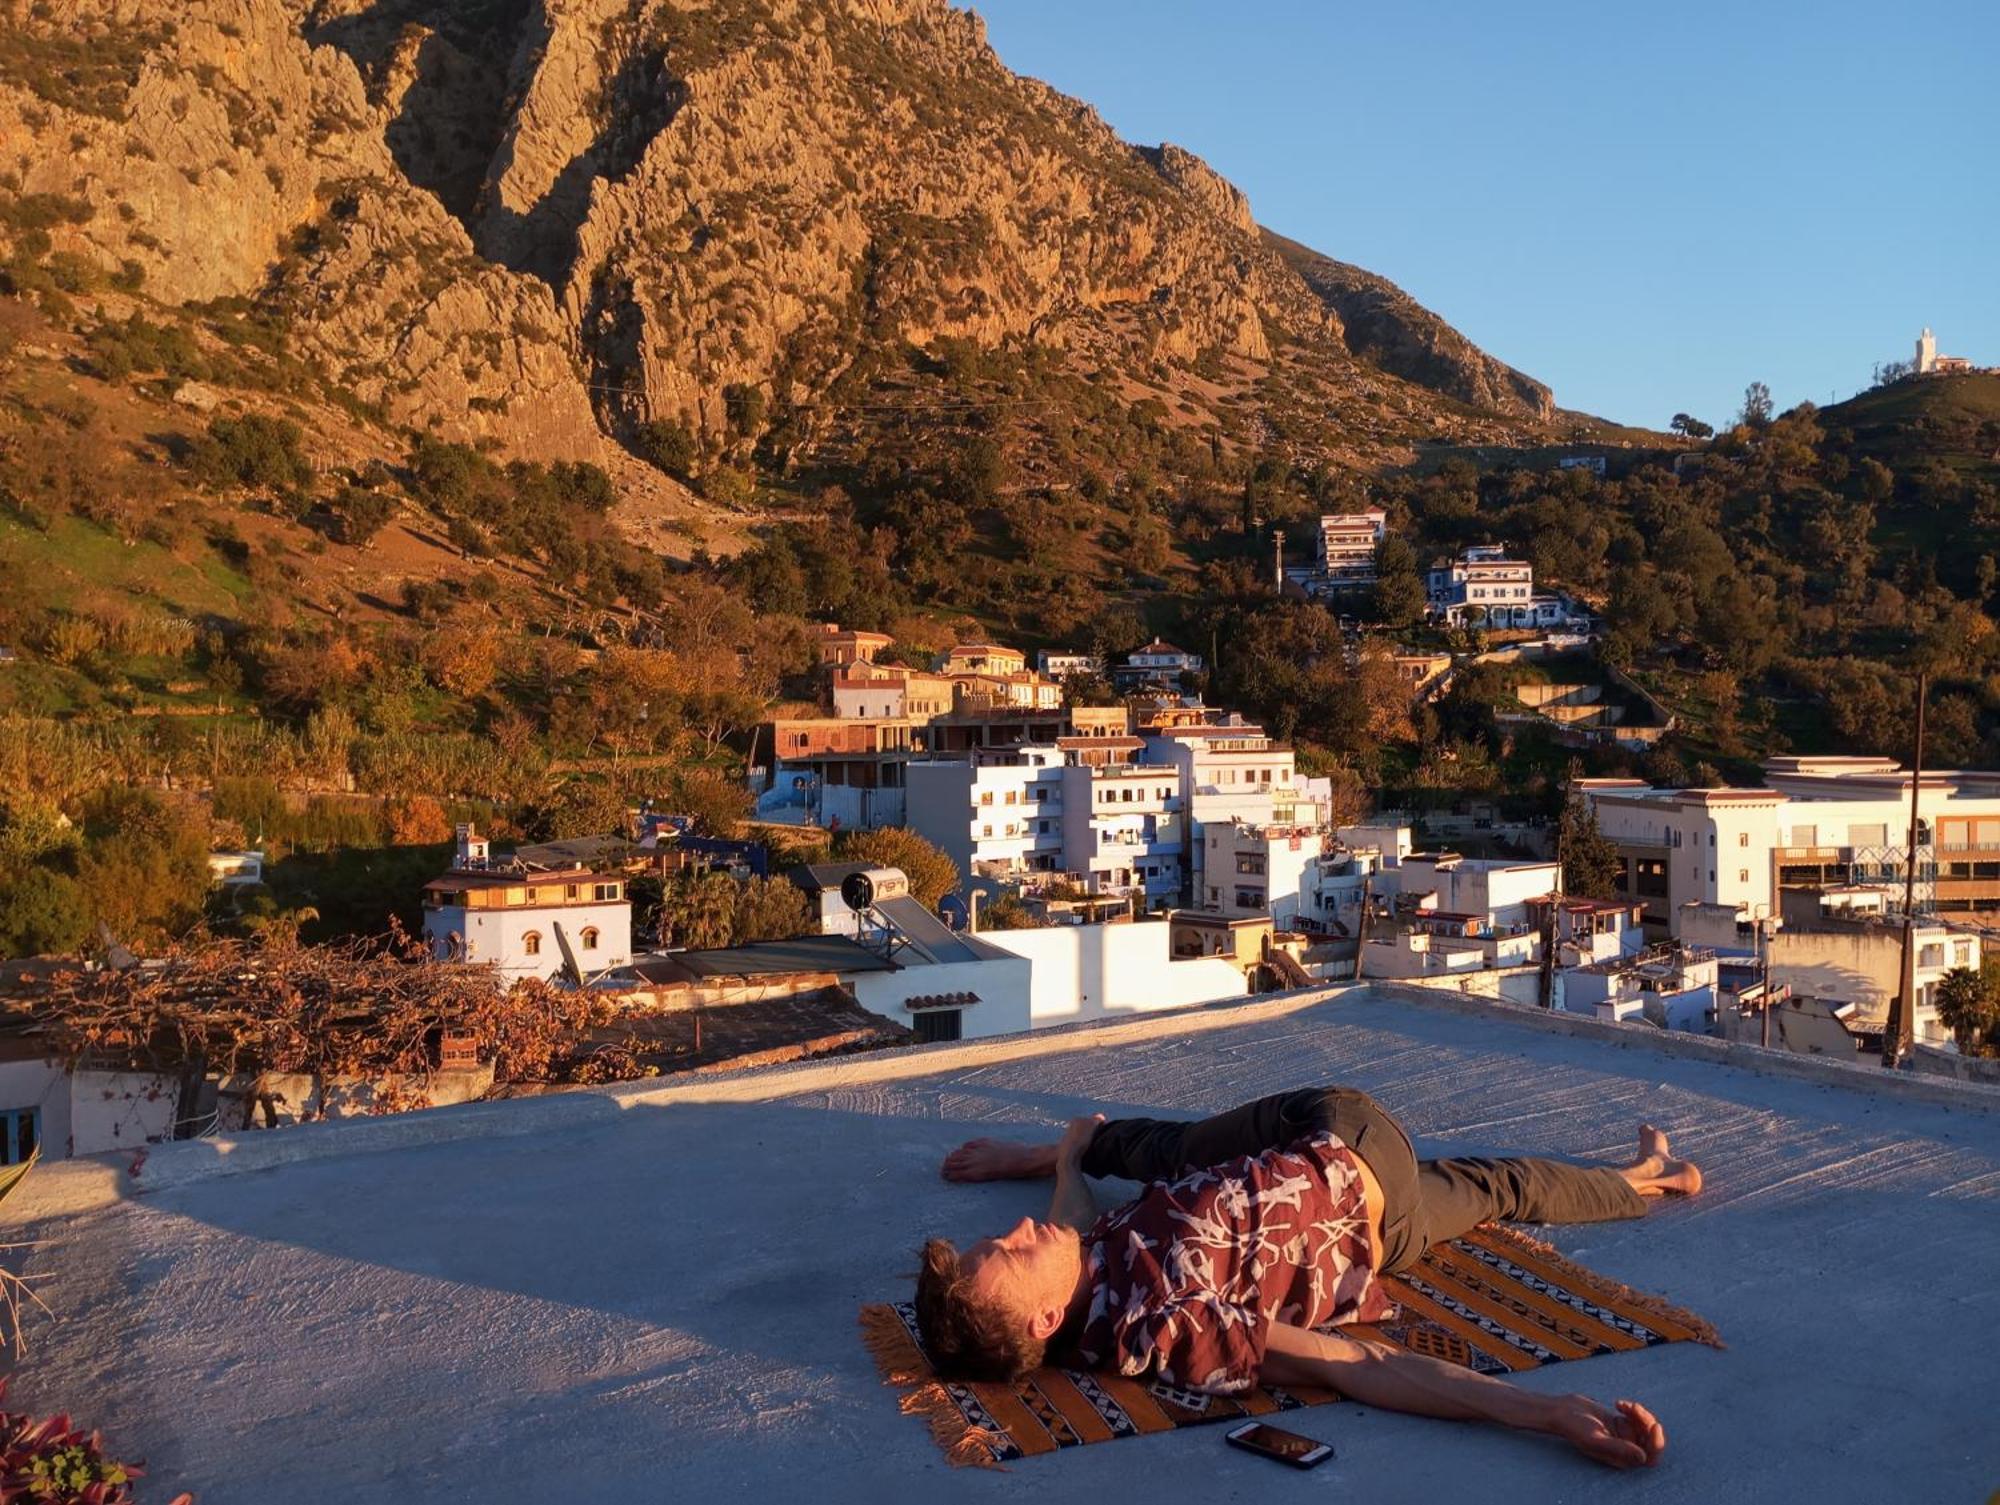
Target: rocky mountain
point(546, 222)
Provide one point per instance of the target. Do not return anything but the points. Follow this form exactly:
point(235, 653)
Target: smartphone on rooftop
point(1276, 1442)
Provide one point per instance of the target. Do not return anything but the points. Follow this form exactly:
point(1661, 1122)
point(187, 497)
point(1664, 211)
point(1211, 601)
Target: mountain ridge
point(546, 223)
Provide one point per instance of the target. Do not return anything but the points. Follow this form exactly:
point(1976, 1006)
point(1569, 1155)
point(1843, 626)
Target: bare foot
point(1656, 1173)
point(999, 1160)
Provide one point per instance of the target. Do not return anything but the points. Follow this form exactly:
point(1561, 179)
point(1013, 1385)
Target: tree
point(416, 820)
point(771, 909)
point(715, 806)
point(667, 445)
point(1399, 589)
point(1756, 405)
point(580, 808)
point(1008, 913)
point(1589, 861)
point(1694, 428)
point(43, 913)
point(932, 875)
point(698, 910)
point(144, 868)
point(1968, 1004)
point(363, 513)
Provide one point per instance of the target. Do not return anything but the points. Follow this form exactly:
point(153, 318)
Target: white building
point(1499, 891)
point(1124, 831)
point(947, 985)
point(1111, 827)
point(1058, 665)
point(522, 919)
point(1589, 931)
point(1231, 773)
point(1159, 664)
point(1824, 824)
point(1256, 869)
point(1347, 545)
point(1480, 585)
point(1672, 987)
point(997, 811)
point(1676, 846)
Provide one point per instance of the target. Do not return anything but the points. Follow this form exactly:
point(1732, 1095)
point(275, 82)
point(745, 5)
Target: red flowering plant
point(50, 1462)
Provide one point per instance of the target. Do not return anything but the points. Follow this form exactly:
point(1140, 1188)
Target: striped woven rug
point(1495, 1301)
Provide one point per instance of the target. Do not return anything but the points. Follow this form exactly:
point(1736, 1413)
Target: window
point(1041, 796)
point(934, 1026)
point(1013, 798)
point(986, 796)
point(1249, 898)
point(1711, 838)
point(572, 891)
point(531, 943)
point(23, 1128)
point(1743, 838)
point(589, 937)
point(985, 830)
point(1125, 795)
point(1743, 875)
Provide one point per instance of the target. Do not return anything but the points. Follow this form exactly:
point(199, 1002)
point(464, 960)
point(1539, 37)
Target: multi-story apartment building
point(1125, 831)
point(1229, 773)
point(1347, 544)
point(1263, 869)
point(1108, 825)
point(1681, 846)
point(1823, 824)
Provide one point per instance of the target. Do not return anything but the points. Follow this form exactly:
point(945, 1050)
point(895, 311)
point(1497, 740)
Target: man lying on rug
point(1284, 1213)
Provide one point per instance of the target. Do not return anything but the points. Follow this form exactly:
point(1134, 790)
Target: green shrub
point(251, 451)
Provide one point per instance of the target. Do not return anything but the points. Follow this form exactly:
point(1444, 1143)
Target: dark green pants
point(1424, 1202)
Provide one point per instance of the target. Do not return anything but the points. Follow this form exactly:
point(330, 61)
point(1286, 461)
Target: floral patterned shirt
point(1187, 1279)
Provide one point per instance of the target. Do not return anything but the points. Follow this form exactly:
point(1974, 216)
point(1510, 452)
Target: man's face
point(1029, 1269)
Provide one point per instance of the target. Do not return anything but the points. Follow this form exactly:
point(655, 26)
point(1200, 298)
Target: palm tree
point(1968, 1003)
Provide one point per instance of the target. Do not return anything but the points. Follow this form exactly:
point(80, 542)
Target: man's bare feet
point(999, 1160)
point(1655, 1173)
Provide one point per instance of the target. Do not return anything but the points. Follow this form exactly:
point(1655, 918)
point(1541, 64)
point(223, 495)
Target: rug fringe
point(1699, 1328)
point(903, 1365)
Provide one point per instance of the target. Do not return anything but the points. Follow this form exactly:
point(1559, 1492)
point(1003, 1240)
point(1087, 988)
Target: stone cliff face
point(543, 221)
point(1388, 328)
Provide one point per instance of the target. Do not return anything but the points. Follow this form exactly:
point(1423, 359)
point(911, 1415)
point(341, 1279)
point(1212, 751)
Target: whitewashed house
point(527, 921)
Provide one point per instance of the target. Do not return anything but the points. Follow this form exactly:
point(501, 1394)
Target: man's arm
point(1397, 1380)
point(1072, 1204)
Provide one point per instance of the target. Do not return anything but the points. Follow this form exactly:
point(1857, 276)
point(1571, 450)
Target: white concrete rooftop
point(649, 1292)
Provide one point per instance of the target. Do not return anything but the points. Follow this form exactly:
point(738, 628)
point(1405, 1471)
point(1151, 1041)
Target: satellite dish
point(857, 890)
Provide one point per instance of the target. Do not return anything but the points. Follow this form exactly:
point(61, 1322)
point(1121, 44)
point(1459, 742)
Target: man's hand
point(1626, 1435)
point(1076, 1139)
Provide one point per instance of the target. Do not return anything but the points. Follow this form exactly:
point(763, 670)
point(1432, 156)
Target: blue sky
point(1645, 206)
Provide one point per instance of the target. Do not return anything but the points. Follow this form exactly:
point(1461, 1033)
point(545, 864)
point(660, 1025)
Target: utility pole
point(1361, 927)
point(1278, 572)
point(1548, 978)
point(1764, 968)
point(1903, 1007)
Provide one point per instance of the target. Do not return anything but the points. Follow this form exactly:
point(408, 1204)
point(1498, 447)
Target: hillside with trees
point(373, 454)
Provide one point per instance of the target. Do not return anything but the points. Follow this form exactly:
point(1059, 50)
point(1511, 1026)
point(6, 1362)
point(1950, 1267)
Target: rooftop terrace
point(649, 1292)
